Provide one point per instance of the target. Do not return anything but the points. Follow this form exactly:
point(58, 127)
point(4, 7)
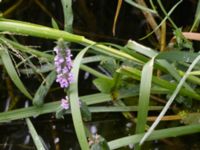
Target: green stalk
point(37, 30)
point(53, 106)
point(50, 33)
point(159, 134)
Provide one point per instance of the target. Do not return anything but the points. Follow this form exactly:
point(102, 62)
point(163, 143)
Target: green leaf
point(74, 102)
point(42, 91)
point(12, 72)
point(68, 15)
point(104, 84)
point(145, 91)
point(109, 64)
point(36, 139)
point(54, 24)
point(183, 56)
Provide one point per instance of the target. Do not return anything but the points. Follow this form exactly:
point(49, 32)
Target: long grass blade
point(156, 135)
point(51, 107)
point(166, 15)
point(74, 102)
point(145, 9)
point(12, 72)
point(145, 89)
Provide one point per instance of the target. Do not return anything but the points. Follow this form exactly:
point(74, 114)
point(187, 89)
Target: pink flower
point(65, 103)
point(63, 64)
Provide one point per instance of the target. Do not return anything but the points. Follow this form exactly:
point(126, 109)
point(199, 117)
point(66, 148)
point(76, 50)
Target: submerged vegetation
point(50, 73)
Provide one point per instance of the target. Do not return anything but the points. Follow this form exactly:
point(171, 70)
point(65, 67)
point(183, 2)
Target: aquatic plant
point(130, 80)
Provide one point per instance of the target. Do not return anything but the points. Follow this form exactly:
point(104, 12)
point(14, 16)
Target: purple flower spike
point(65, 103)
point(63, 64)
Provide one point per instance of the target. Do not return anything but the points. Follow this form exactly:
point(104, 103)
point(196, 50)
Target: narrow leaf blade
point(12, 72)
point(145, 90)
point(74, 103)
point(35, 136)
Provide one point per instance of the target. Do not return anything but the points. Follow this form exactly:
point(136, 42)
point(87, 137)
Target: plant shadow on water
point(94, 20)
